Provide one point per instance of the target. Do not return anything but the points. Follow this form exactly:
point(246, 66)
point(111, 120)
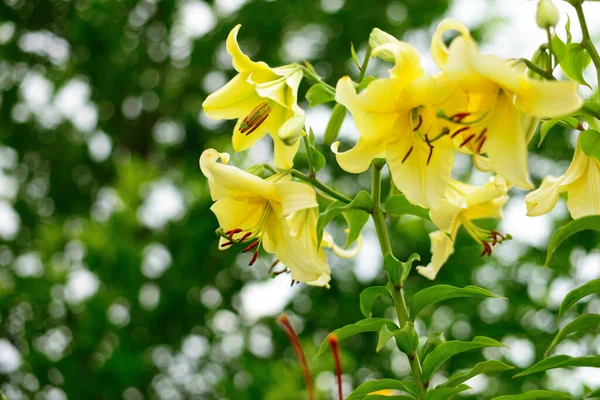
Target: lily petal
point(442, 247)
point(339, 251)
point(241, 62)
point(584, 193)
point(358, 159)
point(295, 196)
point(439, 50)
point(548, 98)
point(241, 141)
point(407, 66)
point(234, 100)
point(233, 214)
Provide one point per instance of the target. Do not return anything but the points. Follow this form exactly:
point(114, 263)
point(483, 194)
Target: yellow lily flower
point(397, 120)
point(498, 96)
point(255, 212)
point(581, 182)
point(262, 98)
point(462, 205)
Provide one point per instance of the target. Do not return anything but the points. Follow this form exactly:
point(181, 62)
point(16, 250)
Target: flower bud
point(547, 14)
point(541, 59)
point(292, 130)
point(378, 38)
point(256, 169)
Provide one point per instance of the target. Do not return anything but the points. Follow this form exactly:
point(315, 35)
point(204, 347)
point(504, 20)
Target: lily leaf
point(362, 202)
point(368, 297)
point(449, 349)
point(397, 206)
point(445, 393)
point(437, 293)
point(592, 287)
point(575, 61)
point(480, 368)
point(319, 94)
point(591, 222)
point(383, 384)
point(561, 361)
point(589, 141)
point(583, 322)
point(335, 123)
point(536, 395)
point(362, 326)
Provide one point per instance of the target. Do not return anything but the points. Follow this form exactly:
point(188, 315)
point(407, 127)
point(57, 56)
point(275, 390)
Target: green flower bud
point(378, 38)
point(256, 169)
point(547, 14)
point(292, 130)
point(540, 58)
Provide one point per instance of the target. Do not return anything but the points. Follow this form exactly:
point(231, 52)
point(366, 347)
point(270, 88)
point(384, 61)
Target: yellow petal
point(234, 100)
point(375, 109)
point(407, 66)
point(442, 247)
point(584, 193)
point(421, 182)
point(358, 159)
point(241, 62)
point(233, 214)
point(295, 196)
point(241, 141)
point(439, 50)
point(493, 189)
point(548, 98)
point(284, 154)
point(445, 214)
point(506, 145)
point(227, 181)
point(339, 251)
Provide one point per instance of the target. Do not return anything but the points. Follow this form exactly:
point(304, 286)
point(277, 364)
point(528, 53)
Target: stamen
point(481, 144)
point(227, 244)
point(487, 249)
point(407, 154)
point(250, 246)
point(416, 128)
point(232, 232)
point(333, 342)
point(293, 283)
point(430, 149)
point(460, 116)
point(254, 257)
point(297, 346)
point(480, 136)
point(464, 128)
point(467, 140)
point(256, 117)
point(273, 266)
point(246, 235)
point(495, 235)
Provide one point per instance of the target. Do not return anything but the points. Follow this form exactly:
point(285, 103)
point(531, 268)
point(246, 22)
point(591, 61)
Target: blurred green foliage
point(113, 287)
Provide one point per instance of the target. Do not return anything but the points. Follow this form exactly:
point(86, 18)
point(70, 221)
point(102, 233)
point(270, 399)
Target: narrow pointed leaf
point(335, 123)
point(484, 367)
point(591, 222)
point(449, 349)
point(397, 206)
point(574, 63)
point(593, 395)
point(583, 322)
point(561, 361)
point(383, 384)
point(362, 326)
point(368, 297)
point(362, 202)
point(536, 395)
point(384, 336)
point(592, 287)
point(445, 393)
point(437, 293)
point(319, 94)
point(589, 141)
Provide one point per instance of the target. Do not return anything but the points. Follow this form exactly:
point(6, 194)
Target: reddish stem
point(334, 343)
point(297, 346)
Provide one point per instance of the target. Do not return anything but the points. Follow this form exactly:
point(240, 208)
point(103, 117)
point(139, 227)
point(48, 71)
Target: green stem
point(363, 67)
point(550, 50)
point(587, 40)
point(318, 184)
point(315, 78)
point(397, 292)
point(311, 168)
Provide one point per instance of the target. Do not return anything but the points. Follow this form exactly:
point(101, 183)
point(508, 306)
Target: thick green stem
point(363, 67)
point(551, 68)
point(398, 293)
point(587, 40)
point(318, 184)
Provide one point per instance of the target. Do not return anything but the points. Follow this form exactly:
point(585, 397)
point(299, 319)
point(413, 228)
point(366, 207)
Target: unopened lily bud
point(541, 59)
point(547, 14)
point(378, 38)
point(292, 130)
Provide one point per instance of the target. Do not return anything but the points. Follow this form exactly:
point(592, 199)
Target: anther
point(273, 266)
point(430, 149)
point(416, 128)
point(481, 144)
point(487, 249)
point(464, 128)
point(467, 140)
point(407, 154)
point(232, 232)
point(246, 235)
point(480, 136)
point(256, 117)
point(293, 283)
point(227, 244)
point(460, 116)
point(495, 235)
point(254, 257)
point(250, 246)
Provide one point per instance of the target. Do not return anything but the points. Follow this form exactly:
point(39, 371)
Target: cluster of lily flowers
point(481, 105)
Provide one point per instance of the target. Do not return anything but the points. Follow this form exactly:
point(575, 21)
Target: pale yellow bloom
point(270, 213)
point(262, 98)
point(581, 182)
point(462, 205)
point(396, 119)
point(498, 97)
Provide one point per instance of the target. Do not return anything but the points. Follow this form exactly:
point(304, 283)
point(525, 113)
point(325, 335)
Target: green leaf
point(407, 266)
point(593, 395)
point(383, 384)
point(407, 339)
point(354, 56)
point(356, 220)
point(433, 341)
point(559, 48)
point(589, 141)
point(437, 293)
point(568, 29)
point(335, 123)
point(590, 108)
point(575, 61)
point(362, 202)
point(368, 297)
point(591, 222)
point(536, 395)
point(364, 83)
point(362, 326)
point(397, 270)
point(397, 206)
point(318, 159)
point(319, 94)
point(445, 393)
point(583, 322)
point(484, 367)
point(387, 397)
point(592, 287)
point(561, 361)
point(449, 349)
point(570, 122)
point(384, 336)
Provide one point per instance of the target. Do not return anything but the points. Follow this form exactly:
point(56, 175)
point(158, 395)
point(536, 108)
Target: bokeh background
point(111, 283)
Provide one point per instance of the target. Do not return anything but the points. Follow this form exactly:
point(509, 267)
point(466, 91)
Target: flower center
point(487, 238)
point(252, 237)
point(256, 117)
point(423, 133)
